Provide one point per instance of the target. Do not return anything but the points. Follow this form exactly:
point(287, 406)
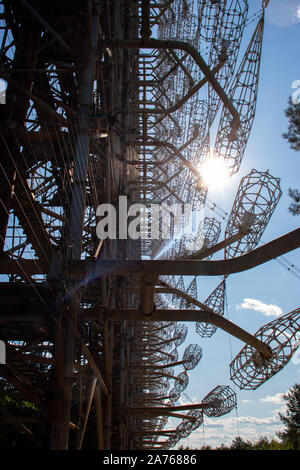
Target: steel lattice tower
point(110, 102)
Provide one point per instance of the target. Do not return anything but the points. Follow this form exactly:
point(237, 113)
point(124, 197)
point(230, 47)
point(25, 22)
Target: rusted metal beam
point(99, 418)
point(254, 258)
point(90, 270)
point(145, 412)
point(39, 102)
point(74, 235)
point(30, 217)
point(19, 420)
point(44, 23)
point(160, 409)
point(205, 252)
point(108, 367)
point(90, 395)
point(13, 114)
point(95, 368)
point(159, 433)
point(180, 45)
point(146, 29)
point(191, 92)
point(182, 315)
point(147, 295)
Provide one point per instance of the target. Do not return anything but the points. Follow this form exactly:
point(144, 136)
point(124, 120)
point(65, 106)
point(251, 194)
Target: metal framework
point(107, 99)
point(216, 302)
point(249, 371)
point(255, 202)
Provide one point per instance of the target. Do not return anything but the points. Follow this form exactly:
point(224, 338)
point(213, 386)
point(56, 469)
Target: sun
point(214, 173)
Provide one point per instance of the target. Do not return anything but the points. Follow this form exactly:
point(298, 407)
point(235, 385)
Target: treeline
point(17, 436)
point(289, 436)
point(261, 444)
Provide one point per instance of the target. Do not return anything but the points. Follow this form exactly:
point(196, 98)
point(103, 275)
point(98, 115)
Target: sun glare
point(214, 173)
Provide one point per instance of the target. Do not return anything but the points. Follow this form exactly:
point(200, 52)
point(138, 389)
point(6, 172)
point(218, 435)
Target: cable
point(231, 357)
point(283, 261)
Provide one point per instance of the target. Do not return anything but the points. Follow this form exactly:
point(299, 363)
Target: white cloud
point(215, 431)
point(296, 357)
point(283, 13)
point(225, 429)
point(276, 399)
point(282, 409)
point(270, 420)
point(269, 310)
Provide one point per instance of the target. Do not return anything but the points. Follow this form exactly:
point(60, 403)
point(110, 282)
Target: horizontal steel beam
point(205, 252)
point(261, 255)
point(179, 315)
point(159, 409)
point(90, 270)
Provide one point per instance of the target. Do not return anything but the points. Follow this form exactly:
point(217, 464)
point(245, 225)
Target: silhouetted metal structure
point(111, 102)
point(249, 370)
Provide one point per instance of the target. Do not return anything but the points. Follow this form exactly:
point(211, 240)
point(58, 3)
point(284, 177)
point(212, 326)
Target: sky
point(258, 296)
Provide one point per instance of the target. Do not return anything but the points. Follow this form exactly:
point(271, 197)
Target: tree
point(294, 208)
point(293, 137)
point(239, 444)
point(291, 419)
point(293, 134)
point(15, 435)
point(264, 443)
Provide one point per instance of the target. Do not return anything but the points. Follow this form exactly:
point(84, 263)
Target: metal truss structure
point(111, 102)
point(255, 202)
point(216, 302)
point(249, 371)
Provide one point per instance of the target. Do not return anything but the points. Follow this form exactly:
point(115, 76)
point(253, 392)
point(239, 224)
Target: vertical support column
point(14, 111)
point(99, 420)
point(108, 356)
point(106, 422)
point(131, 357)
point(146, 29)
point(61, 440)
point(122, 381)
point(89, 398)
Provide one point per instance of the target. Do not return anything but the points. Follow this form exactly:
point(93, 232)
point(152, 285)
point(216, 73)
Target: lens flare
point(214, 173)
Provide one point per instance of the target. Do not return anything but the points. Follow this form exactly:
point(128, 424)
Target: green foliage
point(184, 448)
point(294, 208)
point(267, 444)
point(293, 134)
point(14, 436)
point(239, 444)
point(293, 137)
point(291, 419)
point(290, 436)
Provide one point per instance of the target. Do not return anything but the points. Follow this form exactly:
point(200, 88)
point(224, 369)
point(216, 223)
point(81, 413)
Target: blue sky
point(257, 411)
